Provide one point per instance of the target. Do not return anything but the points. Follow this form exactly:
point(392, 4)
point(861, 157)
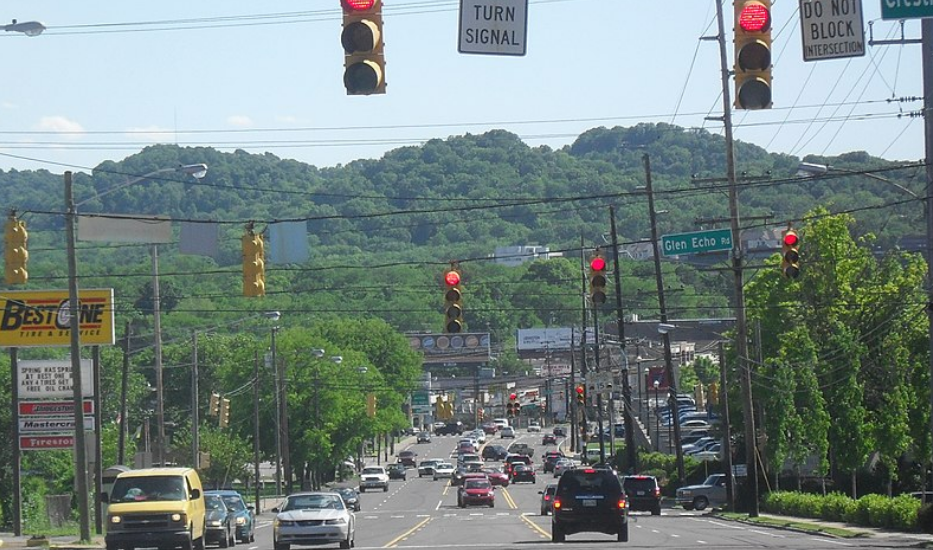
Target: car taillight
point(623, 504)
point(556, 504)
point(547, 497)
point(657, 492)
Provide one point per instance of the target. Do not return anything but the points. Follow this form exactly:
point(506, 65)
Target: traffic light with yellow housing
point(752, 54)
point(598, 278)
point(224, 413)
point(15, 253)
point(254, 267)
point(790, 254)
point(370, 405)
point(364, 61)
point(581, 395)
point(214, 408)
point(453, 301)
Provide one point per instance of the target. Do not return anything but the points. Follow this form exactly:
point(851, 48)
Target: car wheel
point(623, 534)
point(385, 489)
point(688, 506)
point(557, 535)
point(112, 546)
point(362, 489)
point(345, 543)
point(224, 541)
point(280, 546)
point(700, 503)
point(656, 511)
point(543, 512)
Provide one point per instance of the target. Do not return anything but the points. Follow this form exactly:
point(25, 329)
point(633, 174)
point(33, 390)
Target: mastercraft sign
point(493, 27)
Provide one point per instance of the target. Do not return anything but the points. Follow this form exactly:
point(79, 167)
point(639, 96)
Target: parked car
point(698, 497)
point(589, 500)
point(476, 491)
point(350, 497)
point(245, 515)
point(374, 477)
point(494, 452)
point(424, 437)
point(507, 431)
point(443, 470)
point(547, 498)
point(397, 471)
point(523, 472)
point(643, 493)
point(221, 522)
point(407, 458)
point(312, 518)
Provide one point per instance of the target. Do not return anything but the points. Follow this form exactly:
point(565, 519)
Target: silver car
point(313, 518)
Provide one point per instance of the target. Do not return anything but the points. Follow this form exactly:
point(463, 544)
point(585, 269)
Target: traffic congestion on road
point(480, 505)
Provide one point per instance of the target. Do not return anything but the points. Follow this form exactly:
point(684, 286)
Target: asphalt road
point(421, 513)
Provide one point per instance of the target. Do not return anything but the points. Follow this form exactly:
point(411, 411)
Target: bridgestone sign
point(831, 29)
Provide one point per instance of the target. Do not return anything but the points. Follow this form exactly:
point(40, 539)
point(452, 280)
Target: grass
point(799, 525)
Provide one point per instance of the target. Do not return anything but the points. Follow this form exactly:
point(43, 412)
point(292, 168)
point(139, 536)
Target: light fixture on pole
point(29, 28)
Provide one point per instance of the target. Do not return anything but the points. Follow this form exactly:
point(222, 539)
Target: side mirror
point(104, 496)
point(275, 510)
point(195, 494)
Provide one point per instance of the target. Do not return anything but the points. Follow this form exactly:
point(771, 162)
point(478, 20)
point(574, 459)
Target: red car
point(490, 428)
point(476, 492)
point(497, 476)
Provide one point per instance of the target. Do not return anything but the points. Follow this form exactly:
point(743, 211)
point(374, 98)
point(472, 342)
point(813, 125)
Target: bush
point(836, 506)
point(902, 513)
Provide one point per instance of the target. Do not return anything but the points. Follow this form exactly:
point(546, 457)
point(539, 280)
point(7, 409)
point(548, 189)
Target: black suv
point(589, 500)
point(451, 428)
point(643, 493)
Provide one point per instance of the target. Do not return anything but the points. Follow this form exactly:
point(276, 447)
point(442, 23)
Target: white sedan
point(313, 518)
point(444, 469)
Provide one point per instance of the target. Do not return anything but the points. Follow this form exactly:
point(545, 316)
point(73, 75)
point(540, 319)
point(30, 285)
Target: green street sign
point(420, 398)
point(906, 9)
point(684, 244)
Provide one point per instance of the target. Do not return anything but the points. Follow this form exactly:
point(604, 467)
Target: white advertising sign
point(831, 29)
point(52, 425)
point(52, 379)
point(493, 27)
point(549, 339)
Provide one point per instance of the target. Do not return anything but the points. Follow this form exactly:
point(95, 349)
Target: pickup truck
point(374, 477)
point(698, 497)
point(450, 428)
point(521, 449)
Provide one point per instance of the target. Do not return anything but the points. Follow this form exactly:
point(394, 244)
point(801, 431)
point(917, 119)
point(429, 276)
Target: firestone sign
point(42, 318)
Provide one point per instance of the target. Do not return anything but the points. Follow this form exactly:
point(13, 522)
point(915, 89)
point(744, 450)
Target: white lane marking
point(438, 507)
point(674, 535)
point(839, 542)
point(770, 534)
point(722, 524)
point(702, 542)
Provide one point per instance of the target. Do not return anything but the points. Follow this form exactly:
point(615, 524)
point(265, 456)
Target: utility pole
point(124, 388)
point(195, 434)
point(631, 455)
point(257, 482)
point(665, 336)
point(926, 29)
point(741, 340)
point(583, 367)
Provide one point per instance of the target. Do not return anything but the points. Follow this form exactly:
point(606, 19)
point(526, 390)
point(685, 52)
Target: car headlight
point(116, 520)
point(283, 523)
point(178, 518)
point(336, 521)
point(215, 523)
point(241, 520)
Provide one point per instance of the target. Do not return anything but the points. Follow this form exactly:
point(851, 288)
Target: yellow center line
point(536, 527)
point(396, 540)
point(508, 499)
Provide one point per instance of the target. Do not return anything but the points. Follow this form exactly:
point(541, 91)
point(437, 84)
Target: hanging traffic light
point(364, 62)
point(15, 254)
point(224, 413)
point(512, 407)
point(790, 254)
point(214, 408)
point(598, 278)
point(254, 268)
point(752, 54)
point(453, 301)
point(581, 395)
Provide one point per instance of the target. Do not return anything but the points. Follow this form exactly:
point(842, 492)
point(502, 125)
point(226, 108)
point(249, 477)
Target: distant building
point(514, 256)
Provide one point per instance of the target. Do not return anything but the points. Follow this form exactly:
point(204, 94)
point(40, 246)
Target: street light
point(812, 170)
point(29, 28)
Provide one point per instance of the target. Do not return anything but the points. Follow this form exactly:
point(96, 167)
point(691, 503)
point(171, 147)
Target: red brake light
point(755, 17)
point(358, 5)
point(556, 504)
point(623, 504)
point(589, 471)
point(547, 498)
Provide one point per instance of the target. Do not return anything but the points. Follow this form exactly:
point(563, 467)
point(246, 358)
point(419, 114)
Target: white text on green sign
point(697, 242)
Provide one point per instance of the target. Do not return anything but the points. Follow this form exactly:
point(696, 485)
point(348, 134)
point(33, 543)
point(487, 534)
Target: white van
point(500, 422)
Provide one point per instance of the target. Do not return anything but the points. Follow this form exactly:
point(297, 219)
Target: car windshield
point(213, 502)
point(588, 483)
point(477, 484)
point(133, 489)
point(234, 501)
point(445, 466)
point(639, 484)
point(372, 471)
point(313, 502)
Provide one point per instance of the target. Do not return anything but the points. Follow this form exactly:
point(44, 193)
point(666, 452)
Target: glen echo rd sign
point(40, 318)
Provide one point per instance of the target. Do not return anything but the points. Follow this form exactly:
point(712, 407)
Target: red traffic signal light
point(453, 301)
point(752, 54)
point(581, 394)
point(512, 397)
point(598, 279)
point(361, 38)
point(790, 254)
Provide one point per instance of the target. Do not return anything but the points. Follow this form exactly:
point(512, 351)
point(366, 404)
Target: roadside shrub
point(836, 506)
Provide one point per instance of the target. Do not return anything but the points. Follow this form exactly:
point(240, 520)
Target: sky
point(108, 78)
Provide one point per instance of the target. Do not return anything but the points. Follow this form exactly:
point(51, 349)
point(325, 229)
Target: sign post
point(697, 242)
point(831, 29)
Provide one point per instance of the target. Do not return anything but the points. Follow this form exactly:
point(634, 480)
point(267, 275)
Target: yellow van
point(156, 507)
